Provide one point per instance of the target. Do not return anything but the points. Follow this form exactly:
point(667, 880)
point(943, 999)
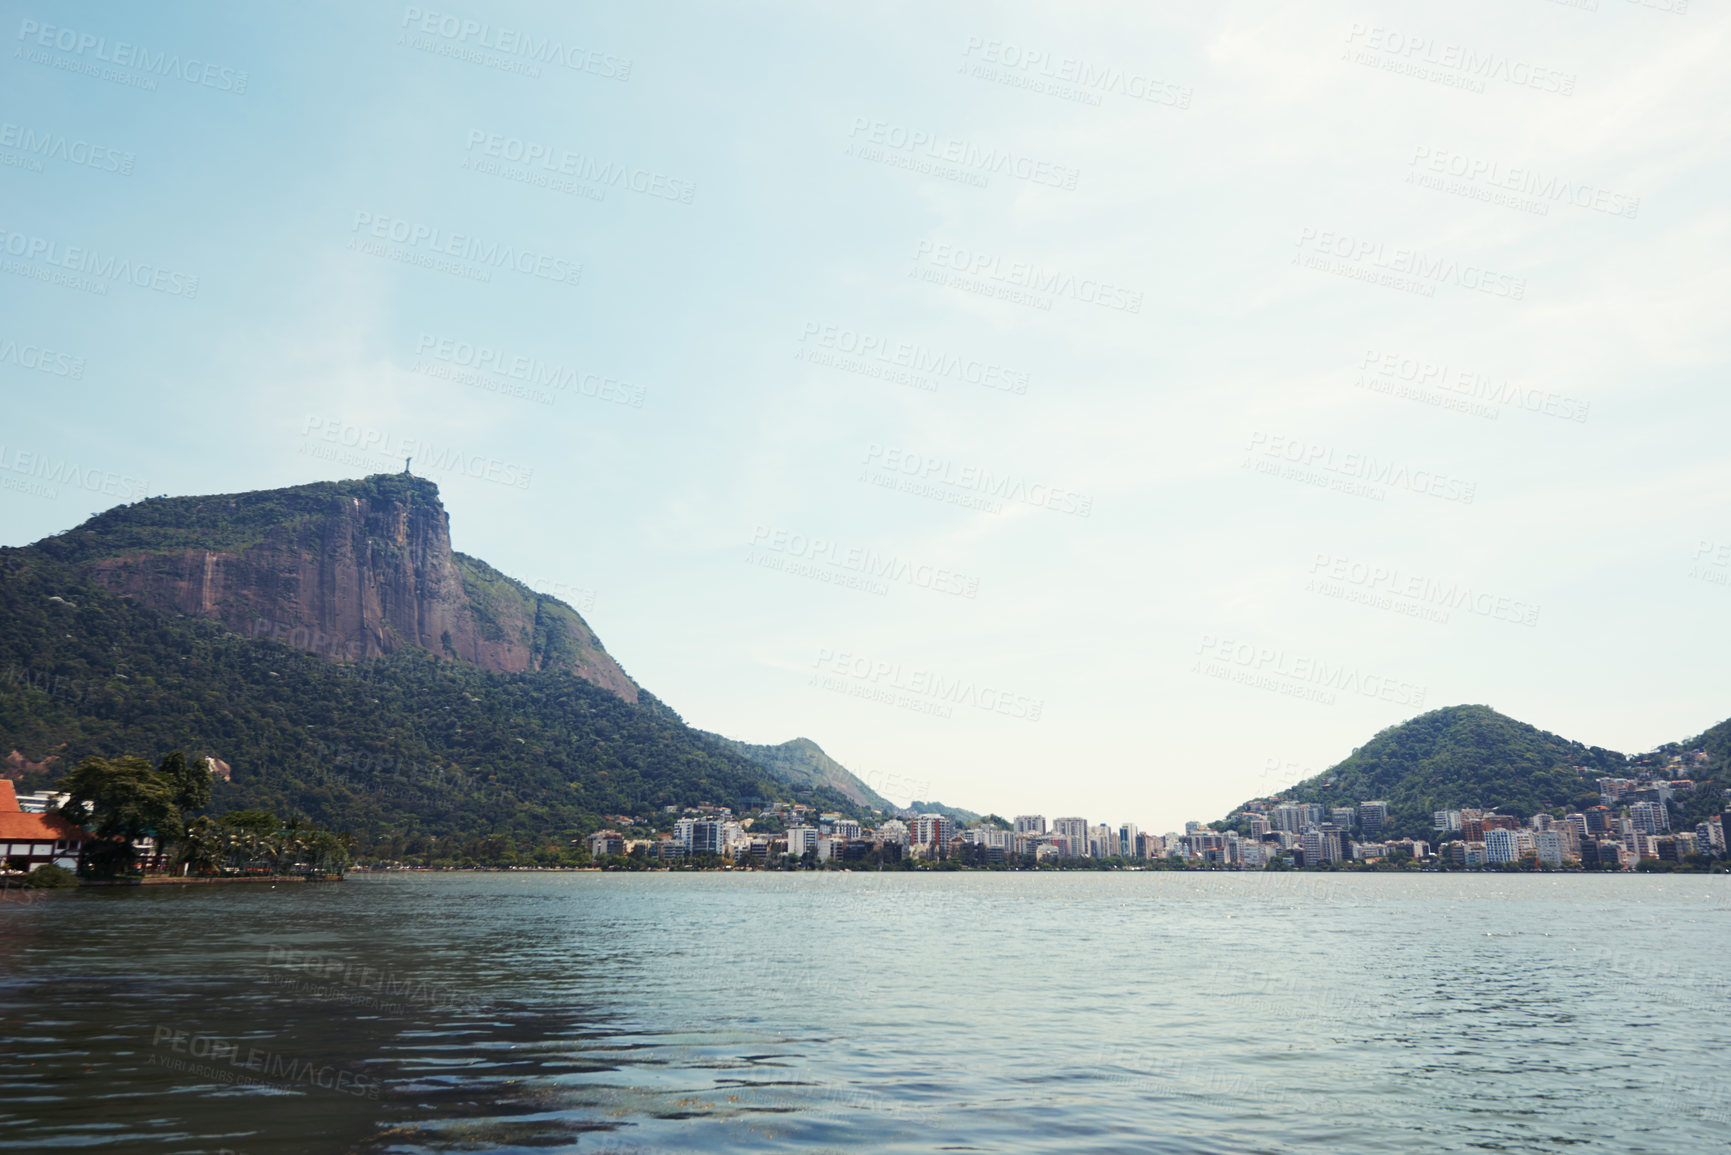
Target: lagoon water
point(1078, 1012)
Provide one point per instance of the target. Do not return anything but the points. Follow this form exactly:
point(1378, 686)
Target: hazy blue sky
point(1201, 387)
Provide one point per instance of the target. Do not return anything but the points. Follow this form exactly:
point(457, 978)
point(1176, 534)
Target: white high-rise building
point(846, 828)
point(1549, 846)
point(734, 839)
point(1074, 832)
point(682, 831)
point(1650, 817)
point(1102, 841)
point(893, 830)
point(801, 838)
point(1502, 846)
point(1030, 824)
point(1127, 835)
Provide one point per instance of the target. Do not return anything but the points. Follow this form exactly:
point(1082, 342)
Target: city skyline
point(1198, 389)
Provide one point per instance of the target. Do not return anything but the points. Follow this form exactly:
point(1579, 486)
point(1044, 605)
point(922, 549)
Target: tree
point(204, 847)
point(191, 781)
point(120, 801)
point(259, 822)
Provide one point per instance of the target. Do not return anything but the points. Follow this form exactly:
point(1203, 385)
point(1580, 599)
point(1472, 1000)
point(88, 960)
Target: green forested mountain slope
point(1462, 756)
point(406, 741)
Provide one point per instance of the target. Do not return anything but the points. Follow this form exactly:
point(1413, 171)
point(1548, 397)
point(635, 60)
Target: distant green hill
point(801, 763)
point(1461, 756)
point(954, 813)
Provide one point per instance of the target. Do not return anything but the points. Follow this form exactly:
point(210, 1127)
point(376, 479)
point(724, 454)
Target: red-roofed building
point(31, 840)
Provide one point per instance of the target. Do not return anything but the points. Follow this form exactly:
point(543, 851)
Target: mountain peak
point(348, 569)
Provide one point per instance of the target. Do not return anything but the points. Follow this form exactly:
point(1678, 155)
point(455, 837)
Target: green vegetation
point(253, 841)
point(406, 751)
point(1472, 756)
point(224, 523)
point(953, 813)
point(123, 800)
point(802, 764)
point(50, 877)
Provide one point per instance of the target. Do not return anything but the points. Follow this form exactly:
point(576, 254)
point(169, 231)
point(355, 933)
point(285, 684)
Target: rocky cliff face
point(349, 570)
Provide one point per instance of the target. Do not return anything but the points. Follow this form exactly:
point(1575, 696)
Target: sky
point(1119, 410)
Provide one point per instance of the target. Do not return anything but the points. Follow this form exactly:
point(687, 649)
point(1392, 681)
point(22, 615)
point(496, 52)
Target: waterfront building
point(1074, 832)
point(31, 840)
point(1501, 846)
point(1650, 817)
point(800, 839)
point(1030, 824)
point(708, 836)
point(1372, 817)
point(933, 830)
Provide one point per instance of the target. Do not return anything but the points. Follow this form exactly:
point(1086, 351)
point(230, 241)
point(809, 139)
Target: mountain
point(1456, 757)
point(347, 569)
point(483, 708)
point(954, 813)
point(802, 763)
